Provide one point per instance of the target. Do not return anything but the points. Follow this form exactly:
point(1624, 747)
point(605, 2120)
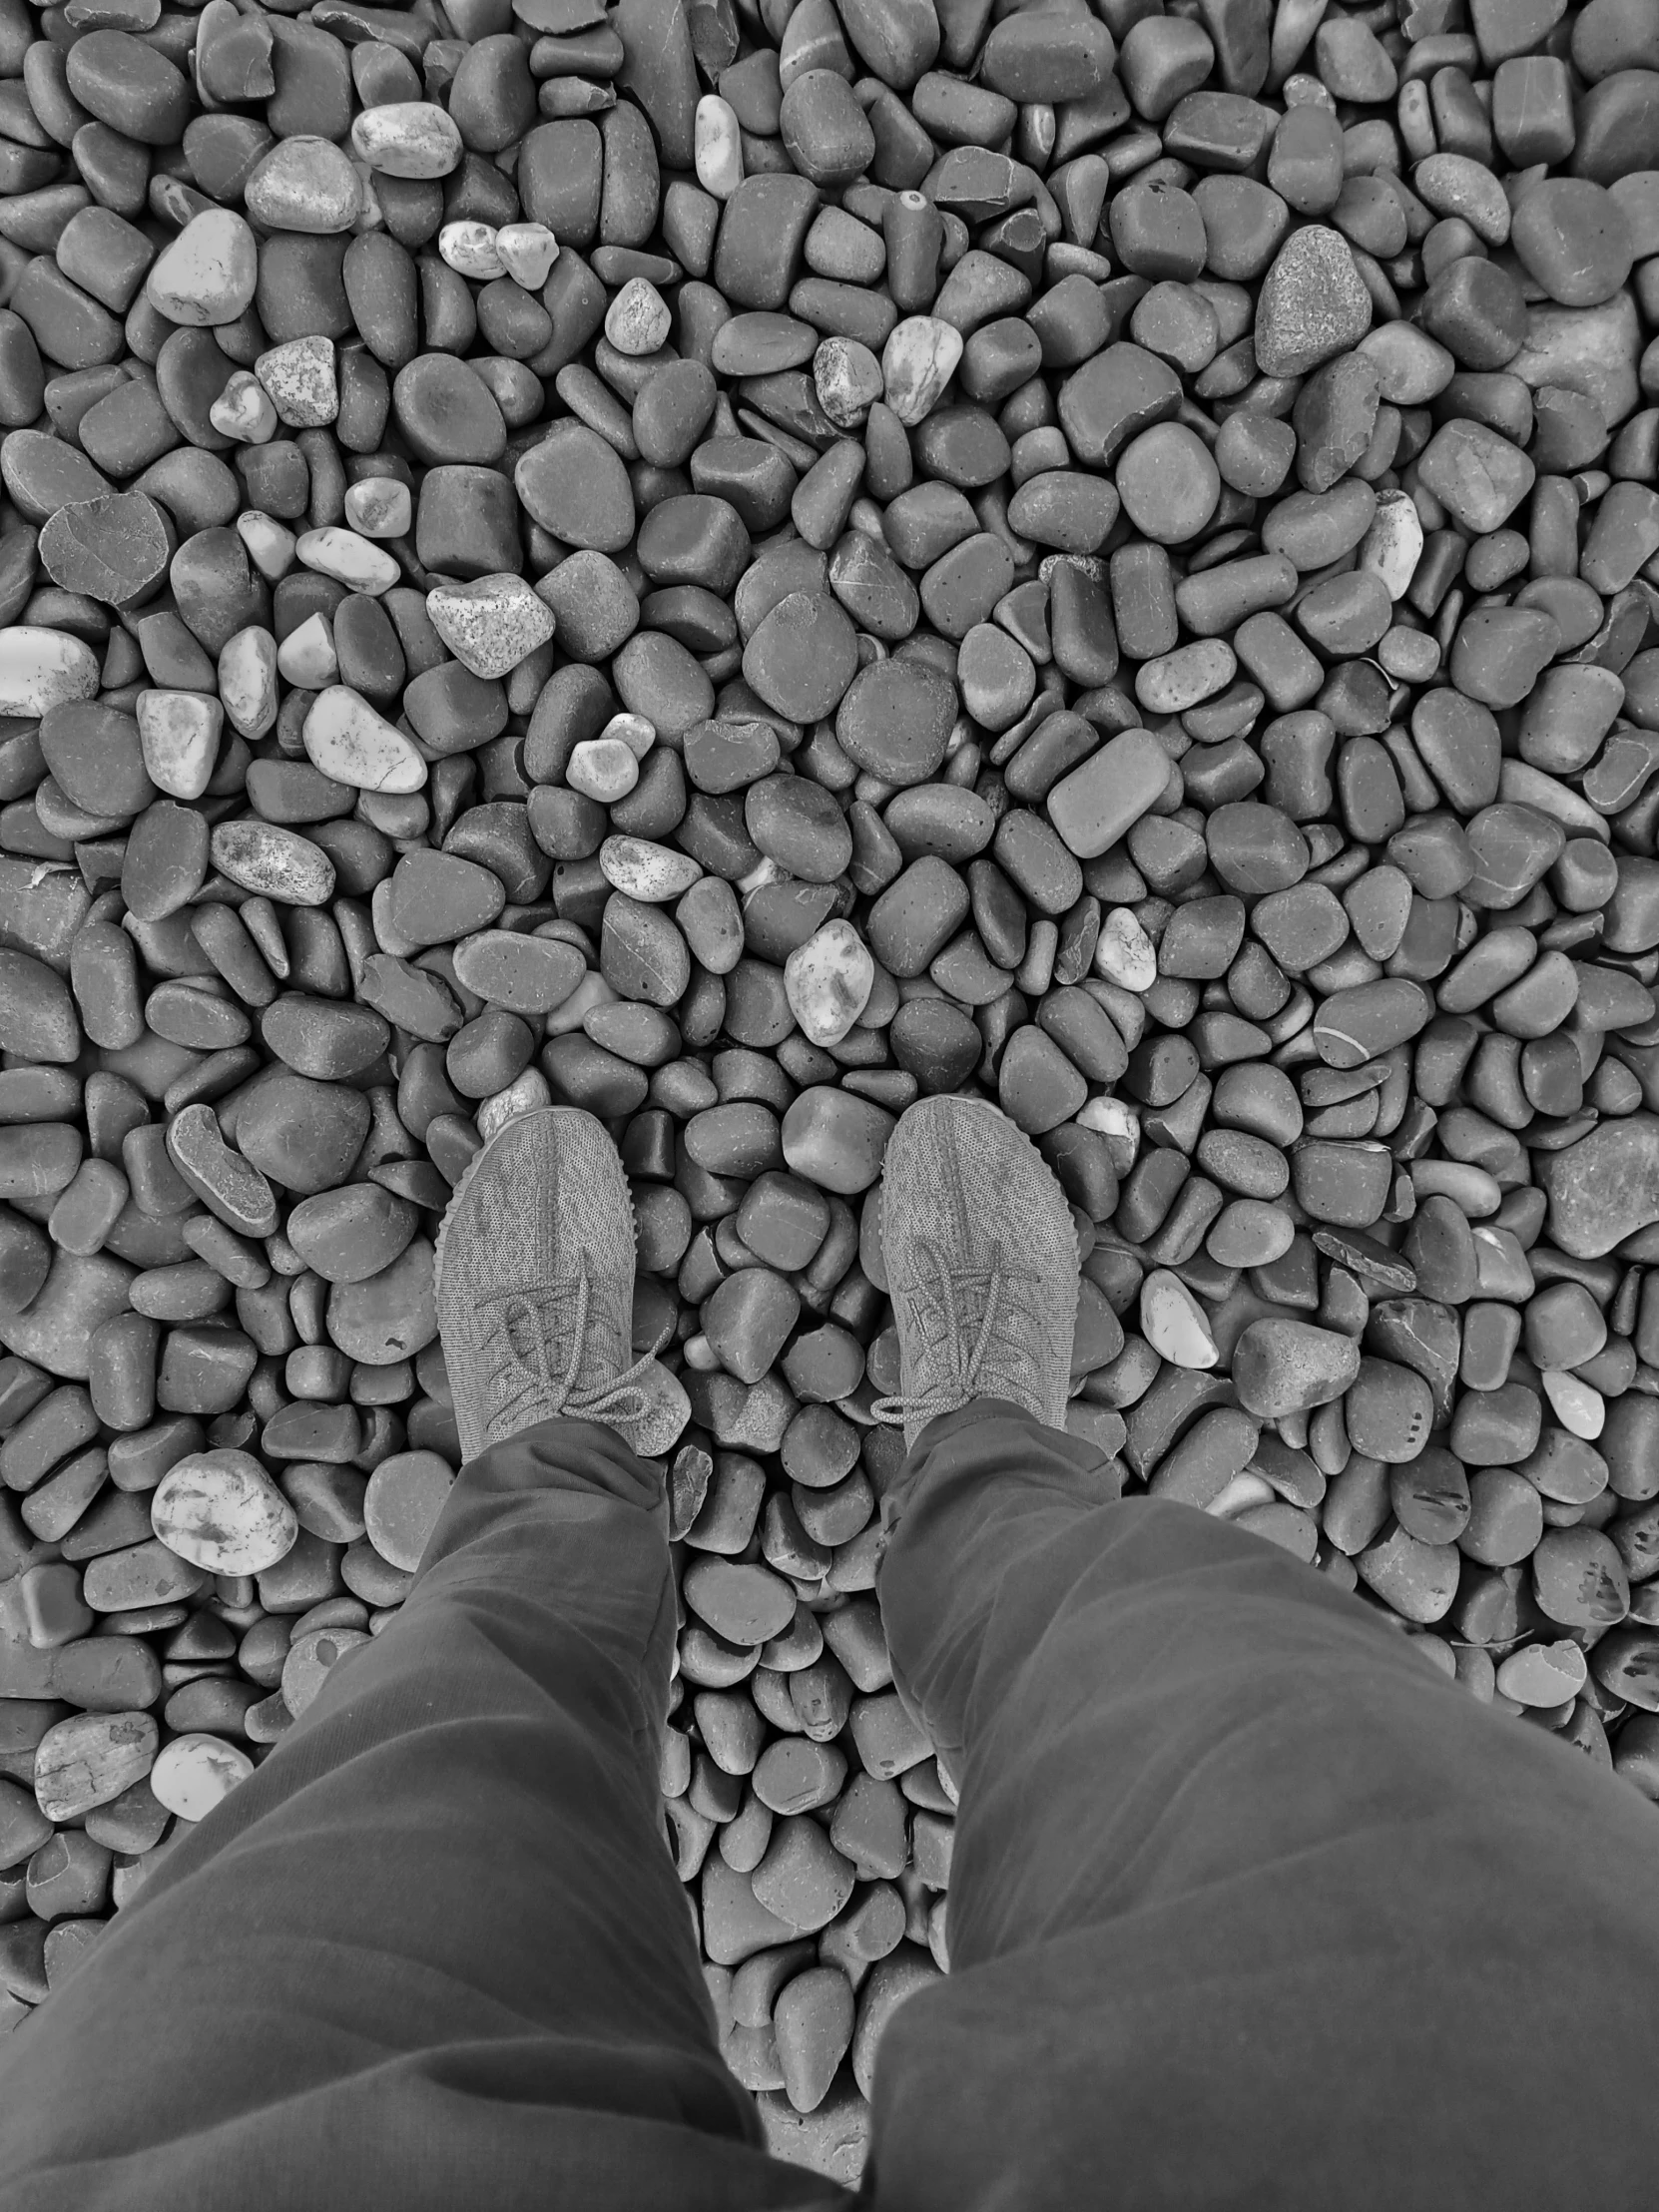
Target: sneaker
point(535, 1291)
point(981, 1256)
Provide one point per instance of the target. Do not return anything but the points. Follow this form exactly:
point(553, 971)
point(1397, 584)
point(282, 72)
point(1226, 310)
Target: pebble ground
point(737, 564)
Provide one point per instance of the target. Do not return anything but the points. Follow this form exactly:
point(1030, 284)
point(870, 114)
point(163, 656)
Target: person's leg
point(434, 1951)
point(1250, 1905)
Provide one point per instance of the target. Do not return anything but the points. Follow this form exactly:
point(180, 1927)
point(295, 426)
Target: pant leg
point(434, 1951)
point(1250, 1906)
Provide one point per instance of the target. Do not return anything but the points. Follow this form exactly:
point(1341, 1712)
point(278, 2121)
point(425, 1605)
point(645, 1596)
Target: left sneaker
point(535, 1291)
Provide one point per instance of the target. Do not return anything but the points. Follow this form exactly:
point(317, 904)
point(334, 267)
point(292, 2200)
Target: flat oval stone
point(895, 719)
point(803, 657)
point(1603, 1188)
point(221, 1512)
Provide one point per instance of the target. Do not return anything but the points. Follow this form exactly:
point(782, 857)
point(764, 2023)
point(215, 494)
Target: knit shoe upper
point(981, 1258)
point(535, 1289)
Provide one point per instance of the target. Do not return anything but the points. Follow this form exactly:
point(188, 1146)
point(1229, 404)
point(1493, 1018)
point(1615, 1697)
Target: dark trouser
point(1249, 1905)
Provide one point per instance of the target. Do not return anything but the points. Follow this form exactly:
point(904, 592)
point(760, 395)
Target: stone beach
point(736, 563)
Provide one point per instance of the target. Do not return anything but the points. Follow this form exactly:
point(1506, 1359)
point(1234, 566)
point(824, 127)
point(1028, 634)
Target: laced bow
point(958, 1380)
point(530, 1321)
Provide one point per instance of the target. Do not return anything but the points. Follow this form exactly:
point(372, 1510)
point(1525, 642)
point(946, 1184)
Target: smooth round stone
point(803, 656)
point(490, 623)
point(221, 1512)
point(41, 669)
point(390, 1317)
point(345, 1236)
point(207, 276)
point(1168, 483)
point(1353, 1026)
point(828, 980)
point(1603, 1188)
point(406, 1494)
point(747, 1605)
point(1572, 239)
point(439, 897)
point(895, 719)
point(306, 184)
point(407, 139)
point(1289, 1367)
point(1388, 1412)
point(179, 733)
point(576, 486)
point(836, 1140)
point(196, 1772)
point(516, 971)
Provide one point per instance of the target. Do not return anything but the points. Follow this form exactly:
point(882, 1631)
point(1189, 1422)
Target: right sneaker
point(981, 1258)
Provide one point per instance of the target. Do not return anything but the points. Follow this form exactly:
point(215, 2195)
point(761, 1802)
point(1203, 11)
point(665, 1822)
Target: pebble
point(222, 1511)
point(490, 623)
point(193, 1772)
point(739, 576)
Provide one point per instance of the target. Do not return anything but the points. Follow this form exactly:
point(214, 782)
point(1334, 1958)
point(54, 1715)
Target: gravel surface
point(735, 565)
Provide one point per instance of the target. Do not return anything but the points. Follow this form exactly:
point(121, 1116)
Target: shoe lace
point(957, 1382)
point(527, 1324)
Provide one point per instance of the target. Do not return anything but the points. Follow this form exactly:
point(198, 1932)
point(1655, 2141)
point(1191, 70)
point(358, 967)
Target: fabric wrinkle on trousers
point(1249, 1908)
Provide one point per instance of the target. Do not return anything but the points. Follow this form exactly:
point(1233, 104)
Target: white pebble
point(207, 276)
point(221, 1512)
point(526, 1095)
point(491, 623)
point(469, 249)
point(652, 873)
point(270, 543)
point(408, 138)
point(1578, 1406)
point(248, 681)
point(245, 410)
point(638, 321)
point(301, 380)
point(828, 982)
point(638, 734)
point(379, 507)
point(1124, 955)
point(195, 1773)
point(356, 562)
point(307, 655)
point(179, 735)
point(602, 768)
point(1392, 546)
point(42, 668)
point(528, 251)
point(917, 361)
point(717, 145)
point(1173, 1322)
